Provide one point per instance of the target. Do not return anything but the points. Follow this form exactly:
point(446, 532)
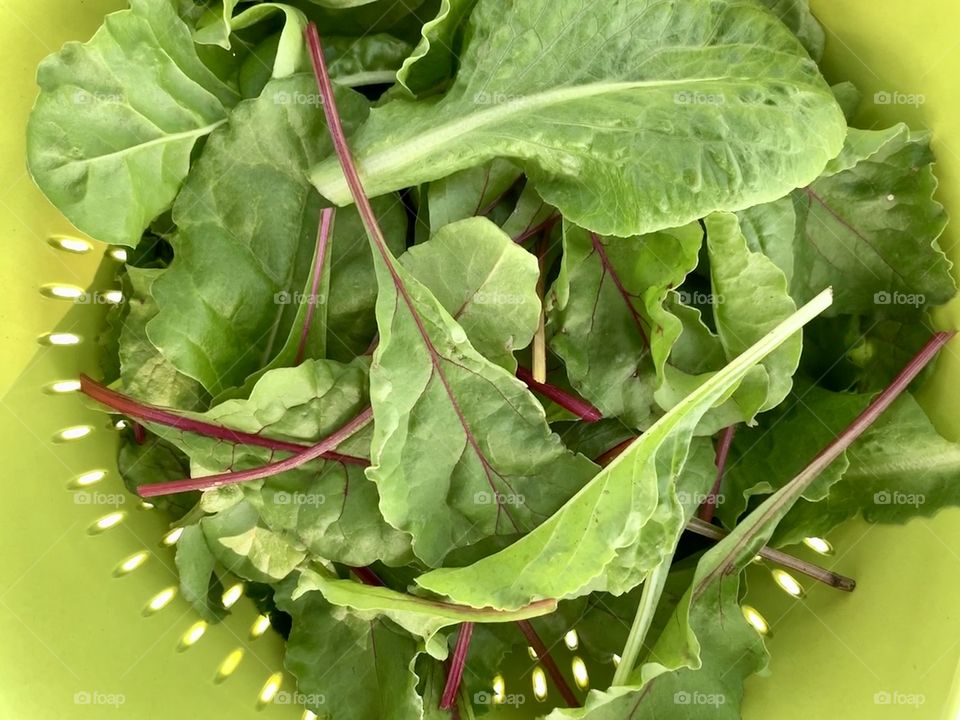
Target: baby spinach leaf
point(247, 233)
point(369, 60)
point(110, 137)
point(195, 565)
point(721, 96)
point(605, 520)
point(485, 281)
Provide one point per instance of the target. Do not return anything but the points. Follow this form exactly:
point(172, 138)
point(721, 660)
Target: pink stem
point(323, 238)
point(709, 505)
point(610, 455)
point(457, 664)
point(367, 576)
point(231, 478)
point(578, 406)
point(136, 409)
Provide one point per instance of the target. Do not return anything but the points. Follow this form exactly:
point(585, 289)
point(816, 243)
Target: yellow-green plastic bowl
point(89, 623)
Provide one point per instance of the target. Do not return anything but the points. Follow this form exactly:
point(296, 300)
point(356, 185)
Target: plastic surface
point(76, 642)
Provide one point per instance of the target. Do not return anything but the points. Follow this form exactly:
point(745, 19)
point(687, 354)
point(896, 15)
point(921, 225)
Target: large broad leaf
point(434, 61)
point(110, 138)
point(144, 372)
point(796, 15)
point(868, 226)
point(327, 507)
point(247, 234)
point(421, 617)
point(485, 281)
point(599, 103)
point(633, 351)
point(605, 521)
point(461, 449)
point(350, 666)
point(900, 469)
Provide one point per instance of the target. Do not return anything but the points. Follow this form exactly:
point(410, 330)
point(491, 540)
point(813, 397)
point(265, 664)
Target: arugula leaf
point(485, 281)
point(247, 233)
point(605, 519)
point(767, 124)
point(110, 137)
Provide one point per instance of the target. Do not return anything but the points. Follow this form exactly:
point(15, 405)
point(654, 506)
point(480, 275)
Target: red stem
point(610, 455)
point(709, 505)
point(139, 433)
point(231, 478)
point(457, 664)
point(367, 576)
point(136, 409)
point(530, 232)
point(578, 406)
point(543, 655)
point(323, 237)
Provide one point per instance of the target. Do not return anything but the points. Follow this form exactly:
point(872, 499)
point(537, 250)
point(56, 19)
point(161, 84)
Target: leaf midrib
point(162, 140)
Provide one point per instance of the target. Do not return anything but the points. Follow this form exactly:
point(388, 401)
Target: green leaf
point(144, 372)
point(720, 96)
point(369, 60)
point(868, 227)
point(247, 548)
point(421, 617)
point(195, 565)
point(247, 233)
point(434, 61)
point(608, 324)
point(110, 137)
point(155, 460)
point(900, 469)
point(469, 192)
point(606, 521)
point(485, 281)
point(329, 508)
point(461, 450)
point(796, 15)
point(350, 667)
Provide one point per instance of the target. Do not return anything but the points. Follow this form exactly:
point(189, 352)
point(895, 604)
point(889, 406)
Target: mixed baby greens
point(427, 329)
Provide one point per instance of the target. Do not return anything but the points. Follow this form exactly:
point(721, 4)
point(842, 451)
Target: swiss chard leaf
point(110, 138)
point(469, 192)
point(604, 522)
point(485, 281)
point(721, 97)
point(247, 234)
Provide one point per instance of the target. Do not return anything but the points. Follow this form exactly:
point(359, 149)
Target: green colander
point(90, 622)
